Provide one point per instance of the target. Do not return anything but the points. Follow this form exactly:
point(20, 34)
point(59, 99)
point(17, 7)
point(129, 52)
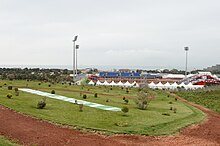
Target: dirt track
point(28, 131)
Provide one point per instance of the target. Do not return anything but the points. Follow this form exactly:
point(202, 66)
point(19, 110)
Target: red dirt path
point(28, 131)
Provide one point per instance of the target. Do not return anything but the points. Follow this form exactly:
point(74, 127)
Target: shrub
point(49, 85)
point(126, 101)
point(170, 102)
point(39, 83)
point(76, 102)
point(168, 95)
point(9, 95)
point(0, 86)
point(143, 99)
point(175, 99)
point(5, 84)
point(127, 91)
point(96, 95)
point(171, 108)
point(17, 93)
point(174, 110)
point(16, 89)
point(123, 98)
point(53, 92)
point(70, 84)
point(80, 107)
point(111, 88)
point(125, 109)
point(84, 96)
point(166, 114)
point(107, 100)
point(9, 87)
point(41, 104)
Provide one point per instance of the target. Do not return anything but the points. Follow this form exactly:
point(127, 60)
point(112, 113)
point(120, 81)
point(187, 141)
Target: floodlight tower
point(77, 47)
point(186, 49)
point(74, 56)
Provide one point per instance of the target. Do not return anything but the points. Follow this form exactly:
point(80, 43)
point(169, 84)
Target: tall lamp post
point(186, 49)
point(74, 57)
point(77, 47)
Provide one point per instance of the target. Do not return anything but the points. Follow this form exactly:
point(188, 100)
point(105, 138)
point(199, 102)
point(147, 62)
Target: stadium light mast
point(77, 47)
point(74, 57)
point(186, 49)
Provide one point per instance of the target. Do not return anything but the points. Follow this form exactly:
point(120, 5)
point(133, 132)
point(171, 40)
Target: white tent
point(120, 84)
point(167, 85)
point(127, 84)
point(151, 85)
point(182, 84)
point(113, 83)
point(189, 86)
point(106, 83)
point(98, 83)
point(91, 83)
point(173, 86)
point(159, 85)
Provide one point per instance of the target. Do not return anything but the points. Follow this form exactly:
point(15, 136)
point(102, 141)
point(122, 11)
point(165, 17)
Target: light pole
point(186, 49)
point(74, 57)
point(77, 47)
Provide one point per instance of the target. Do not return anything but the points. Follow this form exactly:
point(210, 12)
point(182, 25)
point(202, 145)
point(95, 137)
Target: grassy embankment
point(136, 121)
point(209, 99)
point(6, 142)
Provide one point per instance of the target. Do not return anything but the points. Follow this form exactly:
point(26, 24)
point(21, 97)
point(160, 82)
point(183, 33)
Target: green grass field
point(136, 121)
point(209, 99)
point(6, 142)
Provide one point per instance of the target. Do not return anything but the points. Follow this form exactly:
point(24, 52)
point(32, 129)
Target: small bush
point(84, 96)
point(53, 92)
point(126, 101)
point(107, 100)
point(9, 87)
point(17, 93)
point(41, 104)
point(166, 114)
point(49, 85)
point(80, 107)
point(0, 86)
point(125, 109)
point(111, 88)
point(168, 95)
point(9, 95)
point(174, 110)
point(123, 98)
point(39, 84)
point(127, 91)
point(16, 89)
point(171, 108)
point(70, 84)
point(96, 95)
point(122, 124)
point(170, 102)
point(175, 99)
point(76, 102)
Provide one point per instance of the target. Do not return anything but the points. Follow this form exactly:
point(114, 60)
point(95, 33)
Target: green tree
point(143, 99)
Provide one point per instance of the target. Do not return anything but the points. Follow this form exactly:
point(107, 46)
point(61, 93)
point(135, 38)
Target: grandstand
point(201, 79)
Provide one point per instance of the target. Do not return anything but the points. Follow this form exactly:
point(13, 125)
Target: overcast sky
point(125, 33)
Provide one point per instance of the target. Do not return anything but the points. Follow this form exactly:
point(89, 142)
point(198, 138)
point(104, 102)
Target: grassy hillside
point(158, 119)
point(209, 99)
